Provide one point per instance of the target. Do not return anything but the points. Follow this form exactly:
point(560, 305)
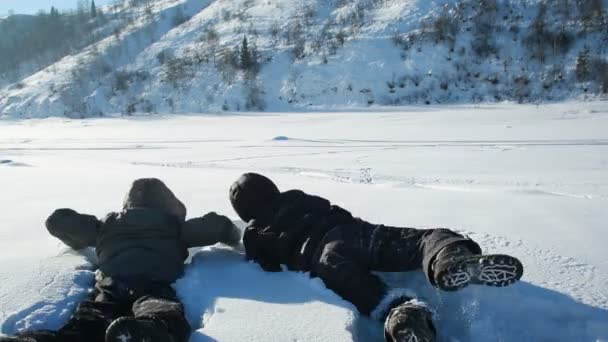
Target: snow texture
point(528, 180)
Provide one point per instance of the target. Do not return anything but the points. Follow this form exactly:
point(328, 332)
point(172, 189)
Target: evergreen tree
point(245, 56)
point(583, 70)
point(93, 9)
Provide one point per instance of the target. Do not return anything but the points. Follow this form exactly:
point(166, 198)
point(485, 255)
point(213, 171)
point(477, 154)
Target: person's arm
point(75, 230)
point(298, 217)
point(209, 230)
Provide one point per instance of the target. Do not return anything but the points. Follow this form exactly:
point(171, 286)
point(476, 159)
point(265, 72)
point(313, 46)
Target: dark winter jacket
point(148, 239)
point(293, 233)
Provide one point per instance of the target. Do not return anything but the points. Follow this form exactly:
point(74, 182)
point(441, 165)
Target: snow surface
point(527, 180)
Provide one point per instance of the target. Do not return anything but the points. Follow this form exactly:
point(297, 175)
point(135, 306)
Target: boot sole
point(491, 270)
point(410, 323)
point(128, 330)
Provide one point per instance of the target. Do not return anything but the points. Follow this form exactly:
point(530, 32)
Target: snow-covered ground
point(526, 180)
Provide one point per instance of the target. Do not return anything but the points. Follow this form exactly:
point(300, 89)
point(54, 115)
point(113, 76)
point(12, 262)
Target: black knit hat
point(252, 196)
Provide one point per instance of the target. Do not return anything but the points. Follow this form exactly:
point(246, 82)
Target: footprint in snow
point(8, 162)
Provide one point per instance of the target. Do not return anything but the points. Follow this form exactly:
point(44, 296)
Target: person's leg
point(449, 260)
point(88, 322)
point(93, 316)
point(342, 262)
point(342, 267)
point(396, 249)
point(158, 315)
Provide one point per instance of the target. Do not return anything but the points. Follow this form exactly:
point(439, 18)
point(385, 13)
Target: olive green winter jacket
point(140, 241)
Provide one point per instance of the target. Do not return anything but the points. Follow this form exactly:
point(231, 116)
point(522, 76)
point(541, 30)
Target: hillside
point(29, 43)
point(187, 56)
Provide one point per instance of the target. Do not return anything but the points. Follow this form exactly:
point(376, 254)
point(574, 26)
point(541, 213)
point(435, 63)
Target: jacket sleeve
point(296, 219)
point(75, 230)
point(209, 230)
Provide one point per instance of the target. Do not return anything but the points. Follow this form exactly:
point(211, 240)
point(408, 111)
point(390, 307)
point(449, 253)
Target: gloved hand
point(232, 234)
point(209, 230)
point(260, 246)
point(75, 230)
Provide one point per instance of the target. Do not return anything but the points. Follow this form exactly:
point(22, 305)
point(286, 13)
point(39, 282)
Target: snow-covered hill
point(184, 56)
point(527, 180)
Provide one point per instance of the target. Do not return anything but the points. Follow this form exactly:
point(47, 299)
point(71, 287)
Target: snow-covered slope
point(183, 56)
point(527, 180)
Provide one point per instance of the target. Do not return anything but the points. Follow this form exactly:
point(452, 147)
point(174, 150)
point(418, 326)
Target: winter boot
point(131, 329)
point(411, 321)
point(455, 267)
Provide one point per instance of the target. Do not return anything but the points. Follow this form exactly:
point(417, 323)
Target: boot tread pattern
point(411, 336)
point(492, 270)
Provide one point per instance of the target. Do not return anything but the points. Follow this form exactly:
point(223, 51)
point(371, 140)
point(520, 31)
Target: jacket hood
point(153, 193)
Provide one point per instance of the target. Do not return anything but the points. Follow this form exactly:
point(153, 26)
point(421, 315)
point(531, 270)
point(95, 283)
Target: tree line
point(31, 42)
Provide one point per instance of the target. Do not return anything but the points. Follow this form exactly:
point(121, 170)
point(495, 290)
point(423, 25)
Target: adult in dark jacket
point(308, 233)
point(141, 251)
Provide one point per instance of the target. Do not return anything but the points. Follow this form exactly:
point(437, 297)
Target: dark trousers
point(349, 253)
point(114, 298)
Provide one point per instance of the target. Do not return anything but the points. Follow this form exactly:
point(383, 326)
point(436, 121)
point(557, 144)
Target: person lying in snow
point(141, 251)
point(307, 233)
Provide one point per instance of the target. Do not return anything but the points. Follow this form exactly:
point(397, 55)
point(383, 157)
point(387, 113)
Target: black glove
point(260, 246)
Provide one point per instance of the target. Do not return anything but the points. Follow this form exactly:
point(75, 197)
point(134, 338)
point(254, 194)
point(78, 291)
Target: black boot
point(411, 321)
point(131, 329)
point(455, 267)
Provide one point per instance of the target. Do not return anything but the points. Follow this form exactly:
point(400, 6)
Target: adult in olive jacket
point(141, 250)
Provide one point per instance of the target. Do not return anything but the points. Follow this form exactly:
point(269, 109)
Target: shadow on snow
point(522, 312)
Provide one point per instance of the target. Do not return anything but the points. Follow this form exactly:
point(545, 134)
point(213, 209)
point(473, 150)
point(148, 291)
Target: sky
point(33, 6)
